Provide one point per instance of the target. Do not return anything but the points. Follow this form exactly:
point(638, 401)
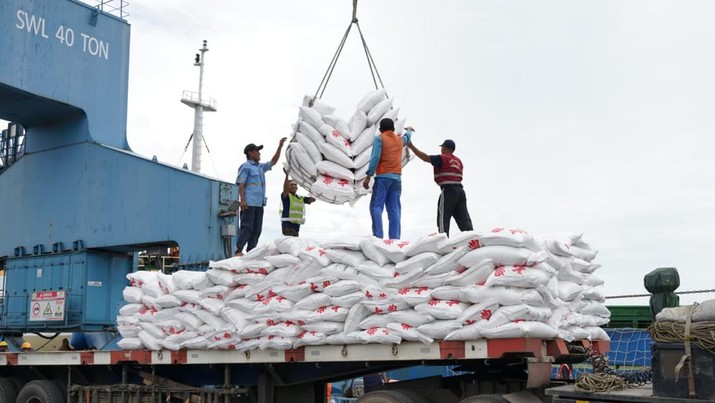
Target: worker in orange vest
point(386, 166)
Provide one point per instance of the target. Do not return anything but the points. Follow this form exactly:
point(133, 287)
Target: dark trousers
point(453, 203)
point(290, 229)
point(251, 227)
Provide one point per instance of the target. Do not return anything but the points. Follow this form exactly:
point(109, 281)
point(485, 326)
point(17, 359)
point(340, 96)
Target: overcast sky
point(570, 116)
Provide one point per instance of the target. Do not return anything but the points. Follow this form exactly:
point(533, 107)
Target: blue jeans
point(386, 192)
point(251, 227)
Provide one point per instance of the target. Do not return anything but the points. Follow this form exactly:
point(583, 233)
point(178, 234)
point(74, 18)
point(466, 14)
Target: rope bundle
point(606, 379)
point(702, 333)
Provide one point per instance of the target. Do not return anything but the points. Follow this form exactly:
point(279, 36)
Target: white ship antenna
point(199, 104)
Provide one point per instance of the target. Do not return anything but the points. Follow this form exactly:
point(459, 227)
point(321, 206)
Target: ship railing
point(115, 7)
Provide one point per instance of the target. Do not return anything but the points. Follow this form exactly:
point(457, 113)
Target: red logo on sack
point(336, 133)
point(486, 313)
point(517, 231)
point(474, 244)
point(371, 331)
point(519, 268)
point(495, 230)
point(434, 302)
point(328, 180)
point(405, 326)
point(392, 308)
point(499, 272)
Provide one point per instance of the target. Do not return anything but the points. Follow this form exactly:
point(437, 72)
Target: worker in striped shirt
point(448, 175)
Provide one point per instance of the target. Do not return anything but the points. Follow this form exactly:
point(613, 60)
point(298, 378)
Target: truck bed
point(644, 393)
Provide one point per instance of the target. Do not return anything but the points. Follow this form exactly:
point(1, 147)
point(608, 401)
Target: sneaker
point(238, 254)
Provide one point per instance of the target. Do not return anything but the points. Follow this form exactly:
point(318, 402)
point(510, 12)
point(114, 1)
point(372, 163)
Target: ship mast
point(199, 104)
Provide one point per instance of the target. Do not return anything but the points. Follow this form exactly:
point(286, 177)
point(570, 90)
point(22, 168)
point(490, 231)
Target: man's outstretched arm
point(424, 157)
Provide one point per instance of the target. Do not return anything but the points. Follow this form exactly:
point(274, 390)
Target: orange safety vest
point(391, 156)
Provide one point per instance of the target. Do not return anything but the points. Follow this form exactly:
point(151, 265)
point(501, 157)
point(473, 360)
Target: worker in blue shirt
point(386, 162)
point(251, 183)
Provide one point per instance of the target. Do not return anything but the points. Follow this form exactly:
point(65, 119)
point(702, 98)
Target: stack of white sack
point(297, 292)
point(329, 156)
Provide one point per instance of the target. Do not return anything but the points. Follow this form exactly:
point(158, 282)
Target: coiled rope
point(605, 379)
point(702, 333)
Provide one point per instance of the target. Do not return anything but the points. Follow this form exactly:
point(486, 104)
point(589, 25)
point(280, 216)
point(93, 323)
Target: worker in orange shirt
point(386, 166)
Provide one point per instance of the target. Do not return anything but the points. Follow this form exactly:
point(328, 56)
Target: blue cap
point(449, 144)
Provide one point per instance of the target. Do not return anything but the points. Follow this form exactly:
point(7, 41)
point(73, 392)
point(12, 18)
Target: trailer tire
point(41, 392)
point(386, 396)
point(485, 399)
point(8, 390)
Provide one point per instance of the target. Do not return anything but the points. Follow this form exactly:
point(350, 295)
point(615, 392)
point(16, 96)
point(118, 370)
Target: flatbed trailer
point(643, 393)
point(299, 375)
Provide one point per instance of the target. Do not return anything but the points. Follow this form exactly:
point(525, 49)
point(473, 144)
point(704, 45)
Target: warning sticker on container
point(47, 305)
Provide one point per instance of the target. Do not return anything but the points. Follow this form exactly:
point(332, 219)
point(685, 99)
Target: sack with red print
point(347, 257)
point(234, 316)
point(441, 309)
point(376, 271)
point(448, 262)
point(391, 248)
point(476, 274)
point(505, 295)
point(328, 313)
point(520, 312)
point(536, 330)
point(212, 305)
point(133, 295)
point(469, 239)
point(421, 261)
point(478, 312)
point(313, 301)
point(294, 292)
point(447, 292)
point(316, 254)
point(326, 328)
point(403, 280)
point(329, 168)
point(348, 300)
point(408, 332)
point(309, 339)
point(342, 338)
point(509, 237)
point(369, 248)
point(282, 260)
point(379, 335)
point(432, 281)
point(356, 314)
point(415, 296)
point(276, 343)
point(471, 331)
point(273, 304)
point(411, 317)
point(427, 243)
point(221, 276)
point(242, 304)
point(517, 276)
point(293, 244)
point(342, 287)
point(285, 329)
point(439, 329)
point(502, 256)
